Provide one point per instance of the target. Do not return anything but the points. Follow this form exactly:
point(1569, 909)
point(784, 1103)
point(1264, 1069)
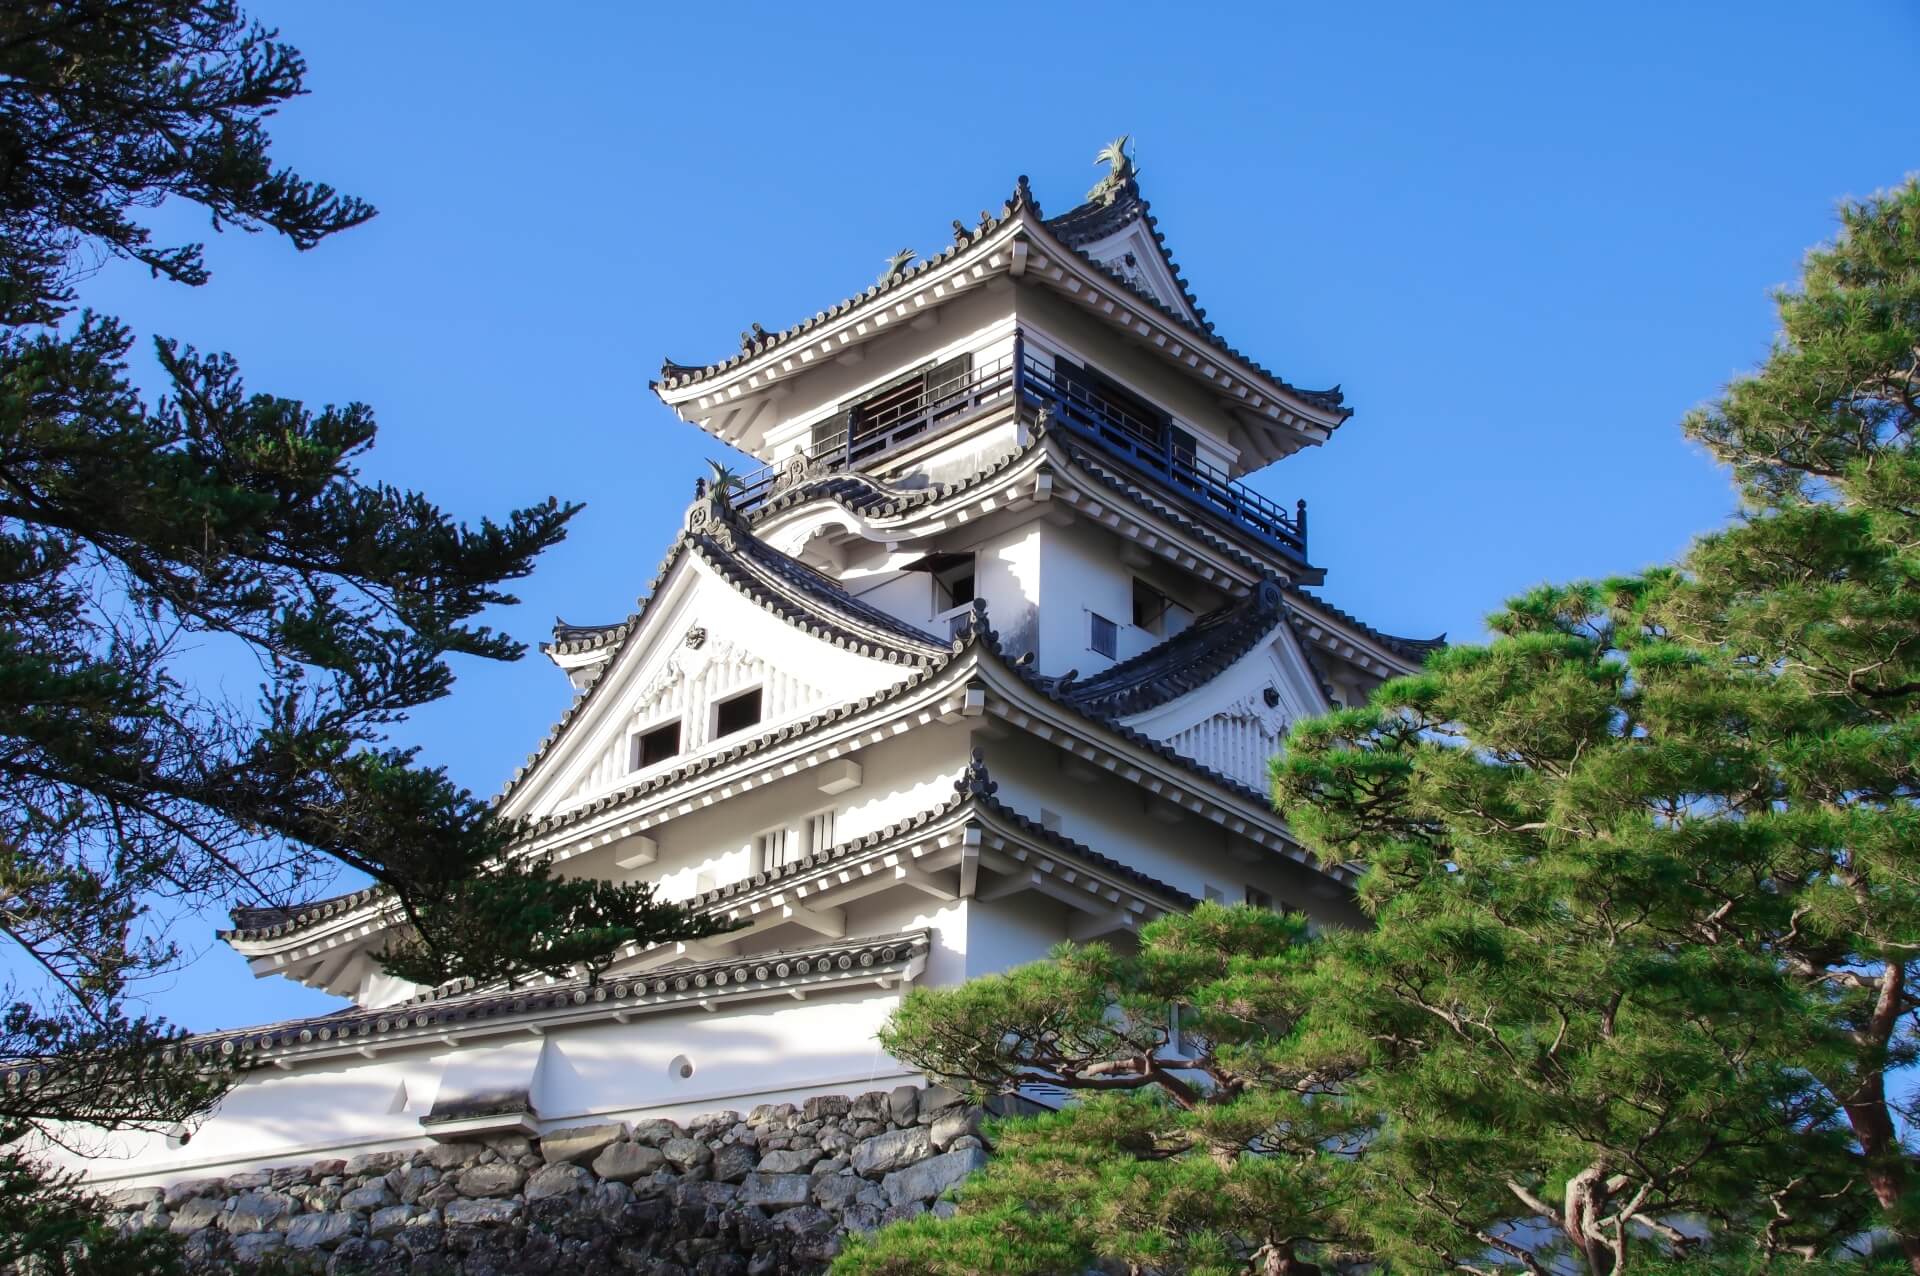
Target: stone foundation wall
point(773, 1192)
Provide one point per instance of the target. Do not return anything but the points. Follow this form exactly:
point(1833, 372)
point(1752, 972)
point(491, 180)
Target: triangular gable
point(702, 639)
point(1122, 238)
point(1236, 722)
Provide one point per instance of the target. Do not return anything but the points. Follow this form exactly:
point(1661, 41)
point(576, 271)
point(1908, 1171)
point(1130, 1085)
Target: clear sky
point(1525, 238)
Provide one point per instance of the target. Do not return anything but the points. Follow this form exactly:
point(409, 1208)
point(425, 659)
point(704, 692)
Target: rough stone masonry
point(774, 1192)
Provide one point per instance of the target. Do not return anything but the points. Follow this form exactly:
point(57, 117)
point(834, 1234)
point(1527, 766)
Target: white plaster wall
point(1117, 820)
point(971, 322)
point(901, 776)
point(594, 756)
point(760, 1051)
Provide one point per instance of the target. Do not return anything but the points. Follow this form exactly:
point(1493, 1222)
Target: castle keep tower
point(989, 652)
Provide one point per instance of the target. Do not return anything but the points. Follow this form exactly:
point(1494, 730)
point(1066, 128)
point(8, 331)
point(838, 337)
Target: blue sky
point(1524, 238)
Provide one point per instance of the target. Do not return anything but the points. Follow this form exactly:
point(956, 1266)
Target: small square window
point(1215, 895)
point(738, 713)
point(1106, 636)
point(1258, 898)
point(656, 746)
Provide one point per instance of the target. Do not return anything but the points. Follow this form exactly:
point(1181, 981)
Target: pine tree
point(1645, 898)
point(229, 521)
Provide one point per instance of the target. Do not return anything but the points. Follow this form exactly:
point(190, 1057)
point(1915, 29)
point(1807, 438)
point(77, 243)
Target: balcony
point(1151, 449)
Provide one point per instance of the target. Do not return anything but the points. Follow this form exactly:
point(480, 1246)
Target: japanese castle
point(990, 652)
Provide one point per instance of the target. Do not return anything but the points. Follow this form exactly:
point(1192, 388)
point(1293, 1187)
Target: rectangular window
point(905, 406)
point(737, 714)
point(1105, 637)
point(819, 832)
point(774, 848)
point(1258, 898)
point(651, 748)
point(1149, 607)
point(953, 586)
point(1215, 895)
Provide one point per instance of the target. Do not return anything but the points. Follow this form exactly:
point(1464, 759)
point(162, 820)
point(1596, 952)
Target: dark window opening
point(1149, 607)
point(904, 407)
point(1259, 898)
point(954, 586)
point(657, 745)
point(1115, 406)
point(737, 714)
point(1105, 637)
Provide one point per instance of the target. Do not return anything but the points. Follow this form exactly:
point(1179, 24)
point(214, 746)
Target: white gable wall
point(657, 678)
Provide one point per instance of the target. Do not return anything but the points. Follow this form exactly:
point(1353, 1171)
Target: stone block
point(374, 1162)
point(903, 1104)
point(248, 1181)
point(581, 1143)
point(953, 1124)
point(316, 1231)
point(625, 1162)
point(498, 1179)
point(135, 1198)
point(374, 1196)
point(686, 1153)
point(798, 1161)
point(194, 1213)
point(255, 1246)
point(871, 1106)
point(191, 1188)
point(453, 1156)
point(884, 1153)
point(733, 1162)
point(415, 1183)
point(838, 1191)
point(935, 1099)
point(826, 1107)
point(562, 1178)
point(929, 1178)
point(654, 1133)
point(480, 1213)
point(258, 1212)
point(390, 1221)
point(776, 1191)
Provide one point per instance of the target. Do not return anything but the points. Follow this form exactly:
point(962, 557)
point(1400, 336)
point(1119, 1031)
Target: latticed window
point(774, 848)
point(819, 832)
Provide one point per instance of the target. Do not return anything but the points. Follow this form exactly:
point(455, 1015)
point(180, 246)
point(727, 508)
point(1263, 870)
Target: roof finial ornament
point(960, 232)
point(1023, 198)
point(897, 264)
point(974, 782)
point(1121, 172)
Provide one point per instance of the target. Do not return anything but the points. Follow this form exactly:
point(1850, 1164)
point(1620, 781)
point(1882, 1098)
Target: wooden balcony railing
point(1151, 449)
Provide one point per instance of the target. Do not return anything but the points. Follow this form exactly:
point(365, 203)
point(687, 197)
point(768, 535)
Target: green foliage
point(49, 1225)
point(1645, 902)
point(142, 541)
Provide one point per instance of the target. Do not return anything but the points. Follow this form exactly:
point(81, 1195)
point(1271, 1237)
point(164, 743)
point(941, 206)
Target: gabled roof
point(1019, 219)
point(779, 585)
point(1185, 662)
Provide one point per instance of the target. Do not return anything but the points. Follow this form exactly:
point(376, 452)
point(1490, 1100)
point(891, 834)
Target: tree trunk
point(1865, 1103)
point(1884, 1159)
point(1586, 1202)
point(1278, 1259)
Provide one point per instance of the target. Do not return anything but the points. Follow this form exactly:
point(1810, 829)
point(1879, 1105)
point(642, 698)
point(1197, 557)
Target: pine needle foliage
point(144, 541)
point(1645, 896)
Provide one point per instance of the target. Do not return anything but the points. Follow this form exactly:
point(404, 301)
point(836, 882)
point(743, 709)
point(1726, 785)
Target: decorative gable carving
point(701, 672)
point(1238, 740)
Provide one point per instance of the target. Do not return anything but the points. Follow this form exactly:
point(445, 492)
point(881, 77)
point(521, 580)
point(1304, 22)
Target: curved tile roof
point(1081, 225)
point(1187, 661)
point(437, 1012)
